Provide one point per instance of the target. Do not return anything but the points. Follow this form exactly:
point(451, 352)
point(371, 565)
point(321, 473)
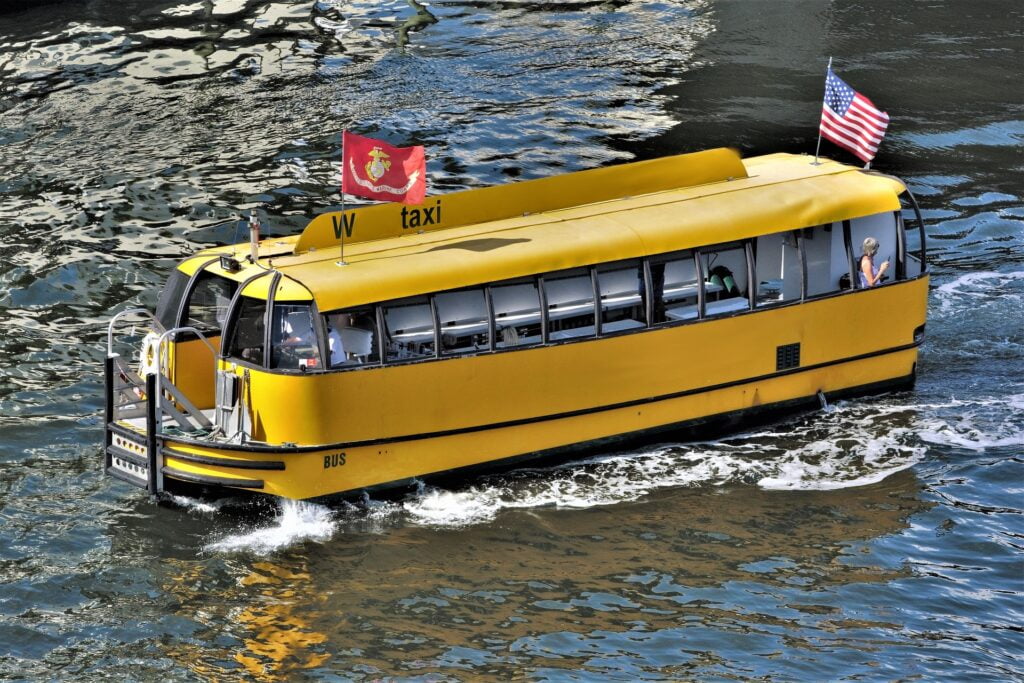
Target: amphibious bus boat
point(488, 327)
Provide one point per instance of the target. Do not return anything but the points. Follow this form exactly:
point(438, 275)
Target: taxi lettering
point(418, 218)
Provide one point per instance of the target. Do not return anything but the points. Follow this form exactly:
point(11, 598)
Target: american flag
point(850, 120)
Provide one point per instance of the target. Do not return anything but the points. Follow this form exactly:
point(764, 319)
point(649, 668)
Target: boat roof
point(694, 200)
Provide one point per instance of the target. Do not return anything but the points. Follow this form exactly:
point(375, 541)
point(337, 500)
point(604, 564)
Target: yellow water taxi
point(527, 321)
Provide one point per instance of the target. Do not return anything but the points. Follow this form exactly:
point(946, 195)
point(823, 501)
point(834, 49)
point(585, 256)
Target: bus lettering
point(334, 460)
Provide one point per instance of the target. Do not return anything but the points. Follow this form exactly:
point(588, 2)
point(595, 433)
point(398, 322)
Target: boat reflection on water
point(266, 617)
point(384, 593)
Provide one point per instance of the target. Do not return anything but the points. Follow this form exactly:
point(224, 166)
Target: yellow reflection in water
point(269, 611)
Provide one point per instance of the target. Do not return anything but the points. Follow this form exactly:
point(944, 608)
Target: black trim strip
point(268, 320)
point(557, 416)
point(127, 433)
point(124, 476)
point(212, 481)
point(224, 462)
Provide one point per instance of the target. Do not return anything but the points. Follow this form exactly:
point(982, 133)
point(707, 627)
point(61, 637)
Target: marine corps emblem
point(378, 164)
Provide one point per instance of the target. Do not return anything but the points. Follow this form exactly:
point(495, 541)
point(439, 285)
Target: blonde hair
point(870, 246)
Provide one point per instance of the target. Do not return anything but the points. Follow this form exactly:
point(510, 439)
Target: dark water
point(879, 541)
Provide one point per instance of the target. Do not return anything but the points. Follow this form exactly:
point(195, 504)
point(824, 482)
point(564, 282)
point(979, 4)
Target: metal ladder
point(138, 457)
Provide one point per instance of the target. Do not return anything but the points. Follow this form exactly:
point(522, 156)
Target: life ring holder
point(149, 352)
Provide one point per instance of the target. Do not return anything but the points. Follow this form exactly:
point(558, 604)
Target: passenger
point(334, 343)
point(869, 275)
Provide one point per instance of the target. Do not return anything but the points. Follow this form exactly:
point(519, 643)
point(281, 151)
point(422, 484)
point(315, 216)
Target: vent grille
point(787, 356)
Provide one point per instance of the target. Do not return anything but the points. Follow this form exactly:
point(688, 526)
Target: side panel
point(339, 470)
point(437, 396)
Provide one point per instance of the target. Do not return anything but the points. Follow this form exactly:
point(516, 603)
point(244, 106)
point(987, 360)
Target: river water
point(882, 539)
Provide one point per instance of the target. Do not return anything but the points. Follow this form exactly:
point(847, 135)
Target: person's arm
point(872, 278)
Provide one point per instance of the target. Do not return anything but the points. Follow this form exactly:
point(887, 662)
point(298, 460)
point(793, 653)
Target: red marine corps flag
point(376, 170)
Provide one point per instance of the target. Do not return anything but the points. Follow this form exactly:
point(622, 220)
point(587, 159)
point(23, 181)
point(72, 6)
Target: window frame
point(234, 309)
point(376, 313)
point(186, 298)
point(745, 246)
point(314, 327)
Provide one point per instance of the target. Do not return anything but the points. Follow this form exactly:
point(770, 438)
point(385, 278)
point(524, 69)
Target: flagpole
point(342, 261)
point(818, 148)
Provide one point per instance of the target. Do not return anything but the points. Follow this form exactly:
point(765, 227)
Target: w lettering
point(349, 222)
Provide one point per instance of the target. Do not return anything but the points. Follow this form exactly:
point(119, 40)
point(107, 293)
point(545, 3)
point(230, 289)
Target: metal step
point(128, 466)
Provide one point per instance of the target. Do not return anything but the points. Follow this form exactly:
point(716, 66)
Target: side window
point(776, 268)
point(910, 229)
point(570, 299)
point(293, 341)
point(462, 316)
point(409, 329)
point(622, 302)
point(352, 337)
point(882, 227)
point(725, 272)
point(247, 336)
point(208, 303)
point(516, 313)
point(826, 257)
point(170, 299)
point(674, 287)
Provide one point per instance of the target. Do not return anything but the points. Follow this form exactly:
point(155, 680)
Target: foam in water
point(977, 286)
point(296, 521)
point(852, 444)
point(196, 505)
point(855, 448)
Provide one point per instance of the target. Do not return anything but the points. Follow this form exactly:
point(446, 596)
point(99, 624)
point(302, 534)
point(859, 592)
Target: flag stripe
point(855, 131)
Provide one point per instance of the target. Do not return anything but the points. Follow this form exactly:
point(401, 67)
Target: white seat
point(356, 341)
point(587, 331)
point(681, 312)
point(620, 325)
point(726, 306)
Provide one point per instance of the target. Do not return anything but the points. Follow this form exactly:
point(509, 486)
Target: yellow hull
point(388, 425)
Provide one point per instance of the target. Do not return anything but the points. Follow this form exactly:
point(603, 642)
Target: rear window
point(208, 303)
point(170, 299)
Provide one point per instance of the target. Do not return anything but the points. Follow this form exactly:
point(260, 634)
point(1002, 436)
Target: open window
point(674, 287)
point(570, 303)
point(826, 258)
point(293, 339)
point(883, 228)
point(777, 271)
point(726, 285)
point(409, 329)
point(463, 321)
point(248, 336)
point(621, 287)
point(517, 318)
point(352, 337)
